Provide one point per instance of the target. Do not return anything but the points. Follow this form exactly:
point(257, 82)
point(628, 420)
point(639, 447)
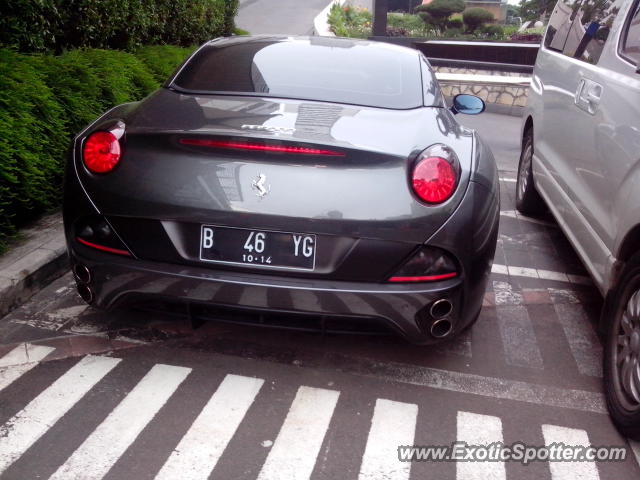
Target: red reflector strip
point(259, 147)
point(429, 278)
point(103, 248)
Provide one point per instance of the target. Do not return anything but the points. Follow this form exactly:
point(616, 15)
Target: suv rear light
point(435, 174)
point(428, 264)
point(101, 152)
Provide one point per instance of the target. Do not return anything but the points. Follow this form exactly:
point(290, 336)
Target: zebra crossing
point(294, 452)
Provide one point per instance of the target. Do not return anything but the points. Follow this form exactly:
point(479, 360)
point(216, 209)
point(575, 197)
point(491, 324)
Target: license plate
point(260, 248)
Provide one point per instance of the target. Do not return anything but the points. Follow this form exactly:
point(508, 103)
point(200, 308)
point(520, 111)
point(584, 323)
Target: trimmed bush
point(57, 25)
point(474, 18)
point(455, 23)
point(45, 100)
point(33, 139)
point(452, 32)
point(493, 30)
point(439, 11)
point(402, 5)
point(162, 60)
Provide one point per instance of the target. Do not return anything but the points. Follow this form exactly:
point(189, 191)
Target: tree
point(476, 17)
point(402, 5)
point(535, 9)
point(439, 11)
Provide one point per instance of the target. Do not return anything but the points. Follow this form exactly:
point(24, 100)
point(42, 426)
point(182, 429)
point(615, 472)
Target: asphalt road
point(156, 398)
point(501, 132)
point(294, 17)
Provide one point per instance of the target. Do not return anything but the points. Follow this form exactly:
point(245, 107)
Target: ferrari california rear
point(299, 182)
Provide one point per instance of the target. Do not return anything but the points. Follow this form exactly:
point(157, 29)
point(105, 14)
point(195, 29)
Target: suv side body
point(581, 156)
point(584, 109)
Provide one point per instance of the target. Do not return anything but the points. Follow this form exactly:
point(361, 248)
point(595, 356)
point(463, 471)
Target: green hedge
point(45, 100)
point(58, 25)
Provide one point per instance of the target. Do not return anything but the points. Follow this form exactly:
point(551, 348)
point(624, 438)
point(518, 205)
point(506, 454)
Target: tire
point(528, 200)
point(622, 352)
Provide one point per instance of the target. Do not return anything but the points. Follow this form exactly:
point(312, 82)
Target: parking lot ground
point(291, 17)
point(156, 397)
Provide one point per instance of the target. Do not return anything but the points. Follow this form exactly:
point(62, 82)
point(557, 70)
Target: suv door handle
point(588, 95)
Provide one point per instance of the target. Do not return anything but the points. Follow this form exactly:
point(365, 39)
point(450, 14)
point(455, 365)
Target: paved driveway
point(292, 17)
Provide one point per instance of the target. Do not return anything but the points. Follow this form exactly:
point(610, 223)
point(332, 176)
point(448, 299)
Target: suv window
point(559, 25)
point(631, 42)
point(589, 31)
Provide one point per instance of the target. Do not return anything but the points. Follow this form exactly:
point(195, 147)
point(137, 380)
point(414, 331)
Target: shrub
point(533, 35)
point(162, 60)
point(57, 25)
point(402, 5)
point(455, 23)
point(397, 32)
point(428, 20)
point(492, 30)
point(33, 139)
point(45, 100)
point(349, 21)
point(452, 32)
point(403, 20)
point(440, 11)
point(474, 18)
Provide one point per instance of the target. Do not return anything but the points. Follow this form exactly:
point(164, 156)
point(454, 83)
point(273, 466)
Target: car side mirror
point(467, 104)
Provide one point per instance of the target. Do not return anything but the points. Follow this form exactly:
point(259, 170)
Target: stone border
point(32, 263)
point(506, 93)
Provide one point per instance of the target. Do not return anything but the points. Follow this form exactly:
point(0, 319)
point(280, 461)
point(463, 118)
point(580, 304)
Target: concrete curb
point(33, 263)
point(320, 25)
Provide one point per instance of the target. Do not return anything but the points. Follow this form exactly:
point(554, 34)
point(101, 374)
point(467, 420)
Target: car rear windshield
point(330, 70)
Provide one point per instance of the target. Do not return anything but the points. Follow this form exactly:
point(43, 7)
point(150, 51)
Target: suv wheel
point(528, 201)
point(622, 353)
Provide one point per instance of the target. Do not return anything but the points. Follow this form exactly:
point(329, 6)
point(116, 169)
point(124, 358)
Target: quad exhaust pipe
point(85, 293)
point(83, 279)
point(82, 273)
point(441, 308)
point(442, 326)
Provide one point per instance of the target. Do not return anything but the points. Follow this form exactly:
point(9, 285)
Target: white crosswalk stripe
point(569, 470)
point(518, 337)
point(94, 458)
point(583, 340)
point(476, 429)
point(28, 425)
point(199, 450)
point(19, 361)
point(294, 452)
point(393, 425)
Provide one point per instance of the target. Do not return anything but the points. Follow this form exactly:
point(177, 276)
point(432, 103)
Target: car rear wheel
point(528, 201)
point(622, 353)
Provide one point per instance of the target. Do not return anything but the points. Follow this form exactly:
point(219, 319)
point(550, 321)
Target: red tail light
point(202, 142)
point(101, 152)
point(435, 175)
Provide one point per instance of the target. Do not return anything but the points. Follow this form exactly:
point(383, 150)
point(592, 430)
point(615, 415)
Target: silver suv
point(581, 157)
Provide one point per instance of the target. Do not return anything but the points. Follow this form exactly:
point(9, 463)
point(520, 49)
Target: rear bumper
point(402, 308)
point(469, 234)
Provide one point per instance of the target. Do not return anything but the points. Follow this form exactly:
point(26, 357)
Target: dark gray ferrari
point(308, 183)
